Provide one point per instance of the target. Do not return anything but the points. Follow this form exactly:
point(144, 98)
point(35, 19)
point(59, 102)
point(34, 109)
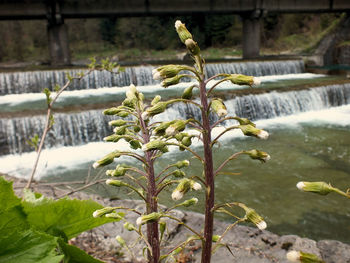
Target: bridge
point(251, 11)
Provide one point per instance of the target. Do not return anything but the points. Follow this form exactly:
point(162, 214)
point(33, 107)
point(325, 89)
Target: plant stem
point(209, 176)
point(151, 198)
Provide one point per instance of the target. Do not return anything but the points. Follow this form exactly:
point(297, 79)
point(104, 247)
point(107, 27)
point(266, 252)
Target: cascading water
point(36, 81)
point(89, 126)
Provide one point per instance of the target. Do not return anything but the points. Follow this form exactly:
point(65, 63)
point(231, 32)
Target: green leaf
point(75, 255)
point(8, 199)
point(70, 216)
point(29, 246)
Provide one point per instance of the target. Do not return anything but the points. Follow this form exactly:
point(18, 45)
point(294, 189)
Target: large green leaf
point(75, 255)
point(7, 197)
point(29, 246)
point(70, 216)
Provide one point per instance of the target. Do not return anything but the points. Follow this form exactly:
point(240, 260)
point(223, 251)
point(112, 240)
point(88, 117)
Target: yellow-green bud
point(219, 107)
point(112, 138)
point(128, 226)
point(116, 183)
point(258, 155)
point(190, 202)
point(187, 141)
point(216, 238)
point(250, 130)
point(321, 188)
point(182, 31)
point(252, 216)
point(183, 187)
point(302, 257)
point(154, 145)
point(118, 216)
point(188, 93)
point(183, 163)
point(157, 108)
point(119, 171)
point(167, 71)
point(192, 46)
point(162, 227)
point(171, 81)
point(129, 103)
point(109, 158)
point(180, 136)
point(156, 100)
point(120, 130)
point(148, 218)
point(178, 173)
point(244, 121)
point(134, 144)
point(117, 123)
point(103, 211)
point(239, 79)
point(121, 241)
point(122, 114)
point(111, 111)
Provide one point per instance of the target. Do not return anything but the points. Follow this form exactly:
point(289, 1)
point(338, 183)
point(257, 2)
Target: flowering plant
point(149, 140)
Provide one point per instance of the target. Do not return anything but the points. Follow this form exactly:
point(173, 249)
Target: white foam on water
point(59, 160)
point(16, 99)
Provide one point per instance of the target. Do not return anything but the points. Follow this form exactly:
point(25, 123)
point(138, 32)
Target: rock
point(333, 251)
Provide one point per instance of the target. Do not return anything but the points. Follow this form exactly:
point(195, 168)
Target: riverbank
point(247, 244)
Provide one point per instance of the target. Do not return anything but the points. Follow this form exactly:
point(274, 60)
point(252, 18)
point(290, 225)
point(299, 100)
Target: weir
point(89, 126)
point(36, 81)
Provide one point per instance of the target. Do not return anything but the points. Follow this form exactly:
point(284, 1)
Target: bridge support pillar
point(57, 35)
point(58, 44)
point(251, 35)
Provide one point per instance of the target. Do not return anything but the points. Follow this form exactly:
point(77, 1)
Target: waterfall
point(88, 126)
point(36, 81)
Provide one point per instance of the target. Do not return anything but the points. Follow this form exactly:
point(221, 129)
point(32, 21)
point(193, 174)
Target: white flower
point(267, 158)
point(170, 131)
point(96, 213)
point(293, 256)
point(139, 221)
point(178, 23)
point(156, 74)
point(95, 165)
point(263, 134)
point(262, 225)
point(256, 81)
point(145, 115)
point(196, 186)
point(222, 112)
point(301, 185)
point(177, 195)
point(109, 181)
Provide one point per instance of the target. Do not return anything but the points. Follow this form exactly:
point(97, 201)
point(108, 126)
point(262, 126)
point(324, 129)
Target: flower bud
point(120, 130)
point(192, 46)
point(148, 218)
point(119, 171)
point(190, 202)
point(182, 31)
point(118, 216)
point(256, 81)
point(113, 138)
point(167, 71)
point(216, 238)
point(244, 121)
point(156, 109)
point(187, 141)
point(121, 241)
point(250, 130)
point(162, 227)
point(154, 145)
point(178, 173)
point(116, 183)
point(321, 188)
point(180, 136)
point(219, 107)
point(254, 217)
point(135, 144)
point(195, 186)
point(258, 155)
point(122, 114)
point(160, 129)
point(117, 123)
point(103, 211)
point(171, 81)
point(176, 127)
point(156, 100)
point(187, 94)
point(240, 79)
point(109, 158)
point(299, 256)
point(182, 188)
point(181, 164)
point(111, 111)
point(128, 226)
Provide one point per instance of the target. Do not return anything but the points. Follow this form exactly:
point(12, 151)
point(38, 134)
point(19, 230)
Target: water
point(309, 140)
